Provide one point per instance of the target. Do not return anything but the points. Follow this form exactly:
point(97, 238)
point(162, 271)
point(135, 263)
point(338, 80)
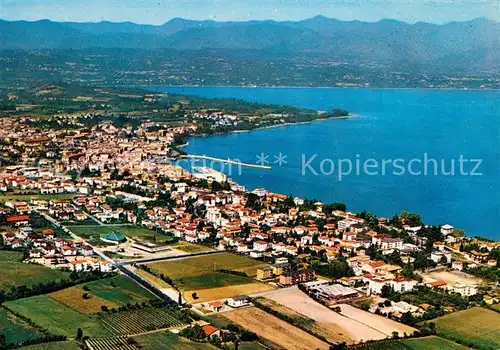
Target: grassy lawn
point(426, 343)
point(211, 280)
point(204, 264)
point(16, 273)
point(477, 326)
point(119, 289)
point(191, 247)
point(165, 340)
point(56, 317)
point(432, 343)
point(496, 307)
point(14, 329)
point(66, 345)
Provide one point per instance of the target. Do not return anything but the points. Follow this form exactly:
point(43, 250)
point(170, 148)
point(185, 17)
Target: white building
point(240, 301)
point(399, 284)
point(447, 229)
point(463, 289)
point(436, 256)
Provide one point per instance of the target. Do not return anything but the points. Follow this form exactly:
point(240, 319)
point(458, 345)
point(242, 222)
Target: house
point(447, 229)
point(216, 306)
point(438, 245)
point(457, 265)
point(437, 284)
point(239, 301)
point(19, 220)
point(438, 255)
point(210, 331)
point(260, 246)
point(264, 273)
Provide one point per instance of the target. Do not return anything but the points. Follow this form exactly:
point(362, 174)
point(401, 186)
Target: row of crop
point(139, 321)
point(121, 342)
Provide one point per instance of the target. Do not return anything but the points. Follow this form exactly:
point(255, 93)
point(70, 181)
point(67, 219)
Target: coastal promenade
point(227, 161)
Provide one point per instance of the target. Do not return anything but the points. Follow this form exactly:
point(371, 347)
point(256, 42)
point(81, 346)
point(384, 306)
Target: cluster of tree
point(45, 338)
point(423, 294)
point(489, 273)
point(336, 269)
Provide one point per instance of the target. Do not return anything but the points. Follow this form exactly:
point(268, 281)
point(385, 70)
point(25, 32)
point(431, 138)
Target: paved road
point(120, 267)
point(173, 257)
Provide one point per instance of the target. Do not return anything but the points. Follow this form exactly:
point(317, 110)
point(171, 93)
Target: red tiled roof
point(209, 329)
point(18, 218)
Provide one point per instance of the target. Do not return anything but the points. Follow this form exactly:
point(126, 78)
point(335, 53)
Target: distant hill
point(468, 44)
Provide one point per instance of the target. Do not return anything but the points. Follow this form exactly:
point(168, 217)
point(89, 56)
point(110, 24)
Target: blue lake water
point(390, 124)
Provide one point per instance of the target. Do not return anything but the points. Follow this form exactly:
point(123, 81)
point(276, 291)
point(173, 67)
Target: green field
point(14, 329)
point(477, 326)
point(191, 247)
point(205, 264)
point(130, 231)
point(66, 345)
point(166, 340)
point(426, 343)
point(211, 280)
point(56, 317)
point(15, 273)
point(119, 289)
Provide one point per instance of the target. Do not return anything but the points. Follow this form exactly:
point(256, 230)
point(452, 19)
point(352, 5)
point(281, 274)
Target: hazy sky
point(160, 11)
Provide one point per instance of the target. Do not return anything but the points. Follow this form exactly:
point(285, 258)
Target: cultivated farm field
point(477, 326)
point(356, 329)
point(273, 329)
point(332, 334)
point(16, 273)
point(142, 320)
point(380, 323)
point(56, 317)
point(210, 280)
point(14, 329)
point(73, 297)
point(425, 343)
point(119, 289)
point(200, 265)
point(167, 340)
point(209, 294)
point(199, 275)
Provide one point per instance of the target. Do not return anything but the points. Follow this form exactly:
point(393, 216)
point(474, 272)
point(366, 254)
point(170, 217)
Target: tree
point(395, 335)
point(180, 299)
point(386, 291)
point(79, 334)
point(443, 260)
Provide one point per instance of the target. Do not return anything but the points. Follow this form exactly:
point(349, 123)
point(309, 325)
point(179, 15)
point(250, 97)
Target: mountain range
point(473, 43)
